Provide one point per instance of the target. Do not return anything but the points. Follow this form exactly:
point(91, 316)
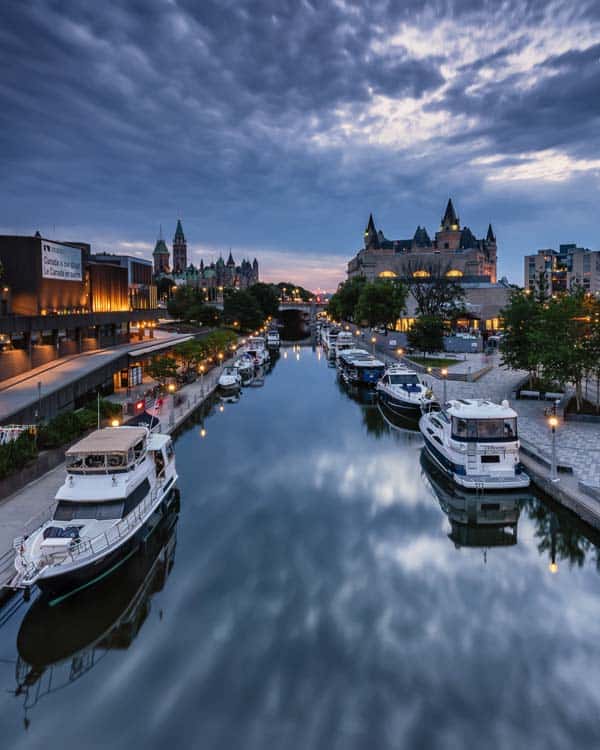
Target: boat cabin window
point(136, 497)
point(484, 429)
point(400, 379)
point(170, 451)
point(68, 510)
point(94, 461)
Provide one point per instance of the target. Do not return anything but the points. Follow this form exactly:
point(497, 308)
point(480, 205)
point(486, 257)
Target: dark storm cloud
point(265, 123)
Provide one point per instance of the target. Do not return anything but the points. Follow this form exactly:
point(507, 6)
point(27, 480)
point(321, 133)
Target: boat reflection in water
point(487, 519)
point(59, 644)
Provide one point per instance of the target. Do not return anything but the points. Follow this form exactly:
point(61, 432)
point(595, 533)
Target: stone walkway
point(578, 443)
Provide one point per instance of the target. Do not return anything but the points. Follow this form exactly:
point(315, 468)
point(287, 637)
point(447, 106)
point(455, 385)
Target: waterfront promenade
point(26, 509)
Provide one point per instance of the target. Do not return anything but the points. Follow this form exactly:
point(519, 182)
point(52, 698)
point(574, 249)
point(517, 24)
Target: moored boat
point(229, 380)
point(401, 391)
point(119, 482)
point(360, 367)
point(273, 339)
point(475, 443)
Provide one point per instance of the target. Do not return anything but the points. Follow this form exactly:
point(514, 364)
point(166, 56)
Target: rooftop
point(109, 440)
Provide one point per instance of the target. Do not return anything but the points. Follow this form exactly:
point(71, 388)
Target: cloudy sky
point(273, 127)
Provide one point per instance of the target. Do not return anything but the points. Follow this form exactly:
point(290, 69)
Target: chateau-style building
point(455, 250)
point(213, 278)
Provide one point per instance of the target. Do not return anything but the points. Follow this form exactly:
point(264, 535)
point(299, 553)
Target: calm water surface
point(318, 590)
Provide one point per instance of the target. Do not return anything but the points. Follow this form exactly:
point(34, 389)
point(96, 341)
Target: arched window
point(387, 275)
point(454, 273)
point(421, 274)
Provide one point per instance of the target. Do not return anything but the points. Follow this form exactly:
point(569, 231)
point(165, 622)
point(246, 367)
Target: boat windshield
point(484, 429)
point(408, 379)
point(68, 510)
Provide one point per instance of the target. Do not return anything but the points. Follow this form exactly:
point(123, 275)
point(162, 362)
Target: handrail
point(113, 535)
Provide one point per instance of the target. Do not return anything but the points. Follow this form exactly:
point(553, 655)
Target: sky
point(274, 127)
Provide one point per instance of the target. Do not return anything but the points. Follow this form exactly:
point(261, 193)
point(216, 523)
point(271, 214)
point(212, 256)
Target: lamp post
point(171, 389)
point(553, 422)
point(444, 374)
point(373, 340)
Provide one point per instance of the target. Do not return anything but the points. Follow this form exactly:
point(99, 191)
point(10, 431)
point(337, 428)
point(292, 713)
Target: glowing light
point(203, 432)
point(553, 422)
point(421, 274)
point(387, 275)
point(553, 567)
point(454, 273)
point(114, 423)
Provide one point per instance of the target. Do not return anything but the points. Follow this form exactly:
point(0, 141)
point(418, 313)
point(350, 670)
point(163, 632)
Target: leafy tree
point(380, 302)
point(436, 293)
point(162, 369)
point(204, 315)
point(243, 308)
point(289, 287)
point(519, 348)
point(191, 353)
point(343, 303)
point(267, 297)
point(427, 334)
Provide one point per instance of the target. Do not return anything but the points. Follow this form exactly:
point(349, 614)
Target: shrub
point(16, 454)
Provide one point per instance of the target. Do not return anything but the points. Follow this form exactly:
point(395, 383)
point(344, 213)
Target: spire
point(371, 236)
point(450, 220)
point(490, 234)
point(230, 260)
point(179, 235)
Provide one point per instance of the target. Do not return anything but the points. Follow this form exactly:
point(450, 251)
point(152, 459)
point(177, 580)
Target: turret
point(450, 221)
point(371, 236)
point(179, 249)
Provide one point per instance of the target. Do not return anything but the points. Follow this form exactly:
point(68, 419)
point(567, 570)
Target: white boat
point(401, 391)
point(273, 339)
point(329, 339)
point(119, 482)
point(230, 379)
point(256, 349)
point(344, 341)
point(245, 366)
point(475, 443)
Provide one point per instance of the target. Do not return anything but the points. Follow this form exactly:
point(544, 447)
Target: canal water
point(320, 588)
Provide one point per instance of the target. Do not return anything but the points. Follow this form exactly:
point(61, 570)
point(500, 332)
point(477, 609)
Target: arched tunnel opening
point(294, 325)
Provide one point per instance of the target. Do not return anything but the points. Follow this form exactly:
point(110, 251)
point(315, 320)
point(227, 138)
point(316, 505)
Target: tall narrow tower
point(179, 249)
point(161, 255)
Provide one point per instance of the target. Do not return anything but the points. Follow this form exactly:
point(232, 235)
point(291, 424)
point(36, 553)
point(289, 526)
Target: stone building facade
point(569, 266)
point(454, 250)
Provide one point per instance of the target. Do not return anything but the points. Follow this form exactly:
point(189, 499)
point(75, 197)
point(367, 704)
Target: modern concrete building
point(564, 268)
point(57, 299)
point(140, 283)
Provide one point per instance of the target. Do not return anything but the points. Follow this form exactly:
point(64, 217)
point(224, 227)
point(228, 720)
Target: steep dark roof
point(230, 260)
point(450, 216)
point(421, 238)
point(467, 239)
point(160, 248)
point(179, 232)
point(491, 237)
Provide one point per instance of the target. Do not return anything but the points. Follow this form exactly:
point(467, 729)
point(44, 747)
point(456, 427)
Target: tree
point(427, 334)
point(291, 289)
point(380, 302)
point(191, 353)
point(267, 298)
point(242, 308)
point(436, 292)
point(162, 369)
point(343, 303)
point(204, 315)
point(519, 348)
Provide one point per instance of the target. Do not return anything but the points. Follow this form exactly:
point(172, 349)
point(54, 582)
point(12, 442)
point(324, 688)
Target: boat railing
point(116, 533)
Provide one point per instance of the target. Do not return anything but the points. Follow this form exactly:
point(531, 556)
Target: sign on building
point(61, 262)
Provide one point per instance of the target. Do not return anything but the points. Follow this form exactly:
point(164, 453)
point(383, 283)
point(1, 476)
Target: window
point(404, 380)
point(484, 429)
point(68, 510)
point(136, 497)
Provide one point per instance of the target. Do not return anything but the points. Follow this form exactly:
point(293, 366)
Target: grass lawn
point(434, 361)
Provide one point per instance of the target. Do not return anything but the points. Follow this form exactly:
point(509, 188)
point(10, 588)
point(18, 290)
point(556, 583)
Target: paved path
point(20, 392)
point(26, 509)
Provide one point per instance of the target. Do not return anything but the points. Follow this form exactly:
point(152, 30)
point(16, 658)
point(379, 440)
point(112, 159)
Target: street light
point(114, 423)
point(400, 352)
point(553, 422)
point(373, 340)
point(444, 374)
